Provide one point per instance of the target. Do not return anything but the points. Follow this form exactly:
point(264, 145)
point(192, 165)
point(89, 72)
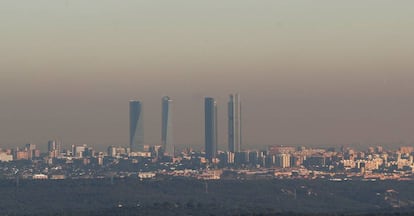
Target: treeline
point(192, 197)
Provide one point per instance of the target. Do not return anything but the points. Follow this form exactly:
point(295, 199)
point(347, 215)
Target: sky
point(312, 73)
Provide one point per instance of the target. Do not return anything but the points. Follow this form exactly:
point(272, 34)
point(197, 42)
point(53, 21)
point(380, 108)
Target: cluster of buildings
point(287, 162)
point(28, 152)
point(210, 125)
point(145, 161)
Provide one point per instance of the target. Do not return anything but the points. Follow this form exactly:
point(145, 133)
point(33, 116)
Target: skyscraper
point(210, 127)
point(136, 127)
point(166, 130)
point(54, 148)
point(234, 127)
point(54, 145)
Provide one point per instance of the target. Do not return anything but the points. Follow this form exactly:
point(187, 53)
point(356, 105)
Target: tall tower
point(54, 145)
point(166, 130)
point(136, 127)
point(234, 117)
point(54, 148)
point(210, 127)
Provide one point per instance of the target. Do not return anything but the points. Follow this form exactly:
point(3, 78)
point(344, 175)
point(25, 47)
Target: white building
point(146, 175)
point(4, 157)
point(39, 177)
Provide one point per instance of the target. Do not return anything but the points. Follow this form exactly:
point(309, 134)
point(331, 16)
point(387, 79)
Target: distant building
point(5, 157)
point(283, 160)
point(230, 157)
point(81, 151)
point(146, 175)
point(31, 146)
point(254, 157)
point(241, 158)
point(136, 126)
point(116, 151)
point(156, 150)
point(39, 177)
point(210, 127)
point(78, 150)
point(234, 123)
point(269, 160)
point(21, 155)
point(140, 154)
point(379, 149)
point(281, 150)
point(54, 145)
point(54, 148)
point(32, 151)
point(210, 175)
point(29, 152)
point(167, 127)
point(146, 148)
point(57, 177)
point(406, 149)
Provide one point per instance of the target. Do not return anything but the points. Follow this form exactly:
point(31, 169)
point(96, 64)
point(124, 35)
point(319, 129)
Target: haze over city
point(315, 73)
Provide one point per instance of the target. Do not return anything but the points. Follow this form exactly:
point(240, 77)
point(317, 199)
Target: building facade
point(283, 160)
point(234, 123)
point(210, 127)
point(166, 129)
point(54, 148)
point(136, 126)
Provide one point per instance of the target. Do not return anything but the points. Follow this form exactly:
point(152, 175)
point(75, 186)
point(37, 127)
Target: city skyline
point(313, 73)
point(136, 129)
point(232, 107)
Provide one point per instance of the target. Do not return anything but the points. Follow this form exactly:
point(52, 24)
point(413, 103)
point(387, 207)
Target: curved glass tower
point(166, 130)
point(136, 127)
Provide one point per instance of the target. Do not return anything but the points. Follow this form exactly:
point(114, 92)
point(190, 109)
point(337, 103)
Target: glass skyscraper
point(136, 126)
point(166, 129)
point(234, 124)
point(210, 127)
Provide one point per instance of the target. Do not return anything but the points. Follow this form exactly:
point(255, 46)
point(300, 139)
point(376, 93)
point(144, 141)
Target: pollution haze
point(313, 73)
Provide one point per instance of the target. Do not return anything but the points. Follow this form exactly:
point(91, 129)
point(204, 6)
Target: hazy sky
point(320, 72)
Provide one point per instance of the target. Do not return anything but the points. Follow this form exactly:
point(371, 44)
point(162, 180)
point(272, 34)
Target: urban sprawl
point(163, 161)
